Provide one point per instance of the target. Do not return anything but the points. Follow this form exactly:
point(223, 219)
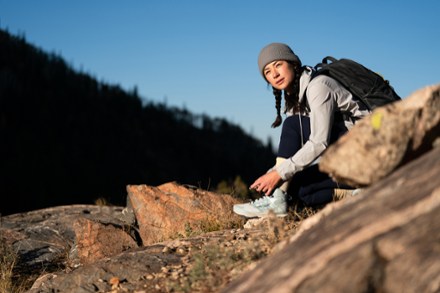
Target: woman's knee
point(293, 134)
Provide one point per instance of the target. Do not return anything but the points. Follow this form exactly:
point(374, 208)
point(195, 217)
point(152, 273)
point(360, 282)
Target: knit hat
point(273, 52)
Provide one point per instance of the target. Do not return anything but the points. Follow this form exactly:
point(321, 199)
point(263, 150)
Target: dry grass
point(217, 223)
point(236, 188)
point(8, 281)
point(7, 263)
point(213, 266)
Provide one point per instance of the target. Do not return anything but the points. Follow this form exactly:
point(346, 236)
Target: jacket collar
point(304, 81)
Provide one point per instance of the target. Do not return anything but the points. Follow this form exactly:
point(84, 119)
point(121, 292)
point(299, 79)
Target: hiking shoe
point(277, 203)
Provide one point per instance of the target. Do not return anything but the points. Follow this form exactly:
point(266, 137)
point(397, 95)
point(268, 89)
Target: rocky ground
point(202, 262)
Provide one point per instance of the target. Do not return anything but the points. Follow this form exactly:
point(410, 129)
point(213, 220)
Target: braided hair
point(291, 100)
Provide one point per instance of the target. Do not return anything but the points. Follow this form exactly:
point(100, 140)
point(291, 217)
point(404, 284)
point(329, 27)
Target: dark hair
point(292, 100)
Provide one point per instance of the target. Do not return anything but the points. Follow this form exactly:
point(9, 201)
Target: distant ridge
point(67, 138)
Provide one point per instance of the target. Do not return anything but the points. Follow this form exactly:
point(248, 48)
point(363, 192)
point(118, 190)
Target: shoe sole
point(260, 215)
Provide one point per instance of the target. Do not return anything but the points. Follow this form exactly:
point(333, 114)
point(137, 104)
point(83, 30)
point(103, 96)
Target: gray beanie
point(273, 52)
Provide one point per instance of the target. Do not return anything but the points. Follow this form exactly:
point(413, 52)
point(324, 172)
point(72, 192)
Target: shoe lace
point(261, 201)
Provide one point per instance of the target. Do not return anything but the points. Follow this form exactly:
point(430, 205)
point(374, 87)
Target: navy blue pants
point(311, 186)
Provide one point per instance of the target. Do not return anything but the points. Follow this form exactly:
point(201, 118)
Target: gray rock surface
point(385, 240)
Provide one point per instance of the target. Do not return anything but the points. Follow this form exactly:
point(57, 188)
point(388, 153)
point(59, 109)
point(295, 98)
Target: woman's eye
point(266, 72)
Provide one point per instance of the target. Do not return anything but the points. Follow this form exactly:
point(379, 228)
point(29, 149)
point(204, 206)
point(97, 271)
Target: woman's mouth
point(279, 82)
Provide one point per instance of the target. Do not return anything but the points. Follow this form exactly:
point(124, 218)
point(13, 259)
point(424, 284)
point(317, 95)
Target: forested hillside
point(67, 138)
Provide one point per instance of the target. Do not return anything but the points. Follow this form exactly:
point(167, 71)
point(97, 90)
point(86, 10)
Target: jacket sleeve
point(322, 106)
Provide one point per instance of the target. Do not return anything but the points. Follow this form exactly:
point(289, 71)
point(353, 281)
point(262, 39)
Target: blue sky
point(202, 55)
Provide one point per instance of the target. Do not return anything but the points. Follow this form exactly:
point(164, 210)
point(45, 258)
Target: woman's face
point(280, 74)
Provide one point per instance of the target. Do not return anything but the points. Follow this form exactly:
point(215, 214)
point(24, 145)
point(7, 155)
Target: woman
point(316, 108)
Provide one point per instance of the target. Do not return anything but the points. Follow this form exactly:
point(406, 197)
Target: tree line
point(67, 138)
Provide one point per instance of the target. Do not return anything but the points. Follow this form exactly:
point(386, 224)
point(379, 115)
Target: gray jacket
point(324, 97)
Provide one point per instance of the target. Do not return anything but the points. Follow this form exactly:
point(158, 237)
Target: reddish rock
point(171, 210)
point(95, 240)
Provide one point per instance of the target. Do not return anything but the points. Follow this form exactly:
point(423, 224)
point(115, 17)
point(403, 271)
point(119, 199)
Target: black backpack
point(365, 85)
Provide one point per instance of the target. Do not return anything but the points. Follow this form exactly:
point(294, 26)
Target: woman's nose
point(275, 74)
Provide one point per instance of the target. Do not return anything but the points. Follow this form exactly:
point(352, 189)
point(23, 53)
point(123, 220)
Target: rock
point(129, 269)
point(95, 240)
point(380, 143)
point(384, 240)
point(46, 238)
point(171, 210)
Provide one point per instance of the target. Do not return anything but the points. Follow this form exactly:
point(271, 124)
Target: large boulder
point(391, 136)
point(172, 210)
point(385, 240)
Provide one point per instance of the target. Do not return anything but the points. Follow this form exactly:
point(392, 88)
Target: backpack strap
point(326, 59)
point(317, 67)
point(324, 62)
point(339, 117)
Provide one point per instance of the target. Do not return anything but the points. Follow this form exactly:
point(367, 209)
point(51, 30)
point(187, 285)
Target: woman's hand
point(267, 183)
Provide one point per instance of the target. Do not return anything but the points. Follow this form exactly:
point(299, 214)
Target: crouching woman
point(319, 110)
